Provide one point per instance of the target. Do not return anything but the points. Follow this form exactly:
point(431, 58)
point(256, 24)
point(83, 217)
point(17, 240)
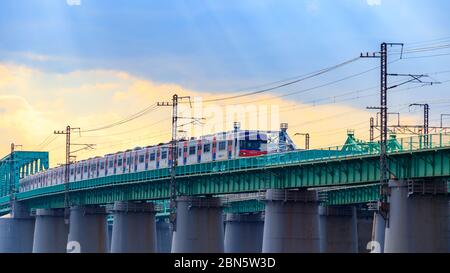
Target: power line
point(128, 119)
point(308, 76)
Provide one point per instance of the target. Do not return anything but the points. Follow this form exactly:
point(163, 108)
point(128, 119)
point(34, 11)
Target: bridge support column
point(338, 229)
point(16, 233)
point(364, 228)
point(110, 228)
point(163, 236)
point(378, 232)
point(291, 222)
point(87, 230)
point(244, 233)
point(418, 219)
point(199, 226)
point(50, 231)
point(134, 229)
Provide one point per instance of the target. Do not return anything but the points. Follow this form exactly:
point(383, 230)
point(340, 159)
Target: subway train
point(214, 147)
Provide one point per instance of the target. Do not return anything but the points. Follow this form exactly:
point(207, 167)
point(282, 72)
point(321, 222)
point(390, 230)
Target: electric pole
point(174, 154)
point(371, 137)
point(426, 120)
point(442, 118)
point(384, 168)
point(68, 156)
point(12, 175)
point(307, 138)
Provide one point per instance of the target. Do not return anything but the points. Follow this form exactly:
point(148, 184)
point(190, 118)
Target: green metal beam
point(248, 175)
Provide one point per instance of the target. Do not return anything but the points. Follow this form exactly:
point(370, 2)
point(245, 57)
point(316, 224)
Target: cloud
point(373, 2)
point(34, 103)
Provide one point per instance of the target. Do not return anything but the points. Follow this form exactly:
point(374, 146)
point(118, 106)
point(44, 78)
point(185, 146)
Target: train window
point(206, 148)
point(222, 145)
point(192, 150)
point(163, 154)
point(141, 158)
point(180, 152)
point(250, 144)
point(85, 168)
point(119, 162)
point(78, 170)
point(128, 160)
point(110, 164)
point(71, 171)
point(94, 167)
point(152, 156)
point(102, 165)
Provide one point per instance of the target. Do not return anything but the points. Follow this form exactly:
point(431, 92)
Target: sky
point(88, 63)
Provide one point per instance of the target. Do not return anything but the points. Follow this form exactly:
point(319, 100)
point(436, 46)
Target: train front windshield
point(252, 147)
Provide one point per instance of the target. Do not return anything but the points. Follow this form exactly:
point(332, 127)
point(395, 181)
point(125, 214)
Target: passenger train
point(214, 147)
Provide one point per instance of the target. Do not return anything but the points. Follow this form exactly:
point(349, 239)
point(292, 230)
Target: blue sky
point(211, 45)
point(222, 46)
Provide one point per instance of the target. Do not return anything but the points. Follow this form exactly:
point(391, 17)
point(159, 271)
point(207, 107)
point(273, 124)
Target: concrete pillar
point(378, 233)
point(364, 228)
point(134, 229)
point(87, 230)
point(291, 222)
point(110, 228)
point(50, 231)
point(418, 220)
point(16, 233)
point(338, 229)
point(163, 235)
point(199, 226)
point(244, 233)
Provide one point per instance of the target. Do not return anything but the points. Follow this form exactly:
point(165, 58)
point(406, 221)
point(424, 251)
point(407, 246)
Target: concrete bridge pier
point(87, 230)
point(364, 228)
point(291, 222)
point(134, 229)
point(163, 235)
point(243, 233)
point(199, 226)
point(16, 233)
point(378, 233)
point(338, 227)
point(418, 219)
point(50, 231)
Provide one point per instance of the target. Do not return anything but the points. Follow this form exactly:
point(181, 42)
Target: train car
point(151, 158)
point(102, 166)
point(140, 160)
point(213, 147)
point(164, 161)
point(119, 160)
point(72, 172)
point(109, 169)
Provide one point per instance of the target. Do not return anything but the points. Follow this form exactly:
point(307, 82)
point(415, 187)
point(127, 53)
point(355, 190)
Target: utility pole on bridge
point(67, 132)
point(384, 168)
point(174, 153)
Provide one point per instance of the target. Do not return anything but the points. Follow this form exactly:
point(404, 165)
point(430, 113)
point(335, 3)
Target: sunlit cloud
point(33, 103)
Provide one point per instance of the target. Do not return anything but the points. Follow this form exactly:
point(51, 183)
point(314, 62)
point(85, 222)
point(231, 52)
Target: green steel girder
point(245, 206)
point(17, 165)
point(349, 171)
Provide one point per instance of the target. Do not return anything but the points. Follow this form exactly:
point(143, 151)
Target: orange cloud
point(34, 103)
